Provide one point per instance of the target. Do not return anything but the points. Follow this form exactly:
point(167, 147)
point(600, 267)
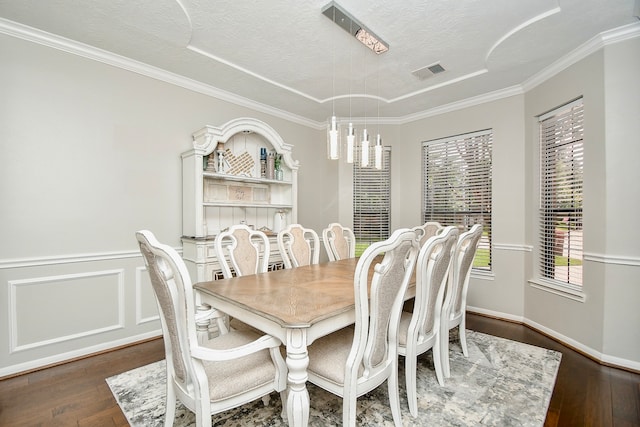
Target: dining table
point(296, 305)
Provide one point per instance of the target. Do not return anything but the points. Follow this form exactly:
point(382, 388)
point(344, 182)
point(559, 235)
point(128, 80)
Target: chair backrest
point(426, 230)
point(465, 252)
point(174, 294)
point(244, 250)
point(298, 246)
point(380, 285)
point(339, 241)
point(432, 268)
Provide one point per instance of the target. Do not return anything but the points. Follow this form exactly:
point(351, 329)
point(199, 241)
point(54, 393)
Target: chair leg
point(444, 350)
point(283, 399)
point(462, 328)
point(438, 362)
point(266, 399)
point(394, 396)
point(349, 406)
point(170, 409)
point(203, 414)
point(410, 369)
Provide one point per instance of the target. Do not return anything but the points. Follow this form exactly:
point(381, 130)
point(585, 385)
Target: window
point(371, 200)
point(561, 173)
point(456, 185)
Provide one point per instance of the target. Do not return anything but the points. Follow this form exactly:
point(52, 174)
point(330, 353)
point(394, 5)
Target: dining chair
point(428, 229)
point(339, 242)
point(241, 251)
point(298, 246)
point(225, 372)
point(419, 330)
point(355, 360)
point(454, 306)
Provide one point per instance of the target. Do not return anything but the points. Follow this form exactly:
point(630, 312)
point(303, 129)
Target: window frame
point(466, 184)
point(375, 177)
point(570, 145)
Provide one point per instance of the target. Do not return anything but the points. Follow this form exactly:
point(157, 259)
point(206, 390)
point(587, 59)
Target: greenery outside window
point(371, 200)
point(561, 194)
point(456, 186)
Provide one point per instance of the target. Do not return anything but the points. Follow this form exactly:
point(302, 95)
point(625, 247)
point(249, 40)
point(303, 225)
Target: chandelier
point(348, 23)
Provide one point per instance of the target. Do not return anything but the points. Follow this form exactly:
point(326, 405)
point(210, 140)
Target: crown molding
point(34, 35)
point(465, 103)
point(27, 33)
point(596, 43)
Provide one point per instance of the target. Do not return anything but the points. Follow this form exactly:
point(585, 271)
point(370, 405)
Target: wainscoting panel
point(59, 308)
point(146, 307)
point(85, 304)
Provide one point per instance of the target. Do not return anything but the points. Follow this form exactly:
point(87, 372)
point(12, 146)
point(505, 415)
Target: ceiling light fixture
point(333, 133)
point(351, 25)
point(364, 35)
point(377, 149)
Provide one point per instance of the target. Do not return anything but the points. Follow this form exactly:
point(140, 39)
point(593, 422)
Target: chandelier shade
point(333, 139)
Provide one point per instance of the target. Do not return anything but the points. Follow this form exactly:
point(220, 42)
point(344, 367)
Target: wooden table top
point(295, 297)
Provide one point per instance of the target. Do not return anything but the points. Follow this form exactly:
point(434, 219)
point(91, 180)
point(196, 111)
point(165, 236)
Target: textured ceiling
point(288, 56)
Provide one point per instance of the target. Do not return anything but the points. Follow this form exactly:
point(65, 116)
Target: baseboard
point(603, 359)
point(59, 359)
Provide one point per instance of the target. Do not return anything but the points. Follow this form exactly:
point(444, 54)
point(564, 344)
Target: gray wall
point(89, 153)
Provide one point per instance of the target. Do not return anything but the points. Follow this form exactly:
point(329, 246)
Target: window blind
point(456, 188)
point(371, 199)
point(561, 195)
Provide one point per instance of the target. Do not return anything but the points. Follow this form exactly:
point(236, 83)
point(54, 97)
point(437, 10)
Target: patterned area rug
point(501, 383)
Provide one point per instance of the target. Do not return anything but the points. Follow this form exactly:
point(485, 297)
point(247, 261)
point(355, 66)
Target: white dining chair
point(355, 360)
point(455, 303)
point(298, 246)
point(428, 229)
point(339, 242)
point(222, 373)
point(241, 250)
point(419, 330)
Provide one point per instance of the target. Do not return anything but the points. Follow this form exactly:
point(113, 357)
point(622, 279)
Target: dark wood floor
point(76, 394)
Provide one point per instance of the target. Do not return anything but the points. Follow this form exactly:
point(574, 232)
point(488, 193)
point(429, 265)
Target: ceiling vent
point(426, 72)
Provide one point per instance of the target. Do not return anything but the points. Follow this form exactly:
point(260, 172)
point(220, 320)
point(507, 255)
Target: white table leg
point(297, 363)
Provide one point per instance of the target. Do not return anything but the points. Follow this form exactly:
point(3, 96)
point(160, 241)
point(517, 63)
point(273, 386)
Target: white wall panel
point(46, 310)
point(146, 307)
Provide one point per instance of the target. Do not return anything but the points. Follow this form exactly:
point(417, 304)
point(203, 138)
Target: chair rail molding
point(9, 263)
point(612, 259)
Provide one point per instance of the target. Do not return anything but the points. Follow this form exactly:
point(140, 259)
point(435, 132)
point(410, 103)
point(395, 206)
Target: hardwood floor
point(76, 394)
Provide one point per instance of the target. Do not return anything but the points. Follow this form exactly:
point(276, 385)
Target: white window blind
point(372, 199)
point(561, 177)
point(456, 187)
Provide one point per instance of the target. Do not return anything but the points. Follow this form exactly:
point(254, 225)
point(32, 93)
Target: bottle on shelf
point(263, 162)
point(279, 221)
point(271, 158)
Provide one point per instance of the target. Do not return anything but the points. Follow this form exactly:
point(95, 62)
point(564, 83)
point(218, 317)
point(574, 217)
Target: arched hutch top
point(240, 172)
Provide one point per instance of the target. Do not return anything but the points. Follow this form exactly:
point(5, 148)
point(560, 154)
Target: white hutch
point(228, 178)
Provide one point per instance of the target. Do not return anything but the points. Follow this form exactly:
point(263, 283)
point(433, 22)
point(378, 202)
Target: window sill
point(564, 290)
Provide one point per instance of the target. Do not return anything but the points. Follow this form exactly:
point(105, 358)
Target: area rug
point(501, 383)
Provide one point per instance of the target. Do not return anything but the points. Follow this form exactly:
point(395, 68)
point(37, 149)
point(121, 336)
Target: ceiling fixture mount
point(351, 25)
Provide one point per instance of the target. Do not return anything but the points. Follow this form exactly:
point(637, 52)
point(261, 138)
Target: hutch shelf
point(239, 173)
